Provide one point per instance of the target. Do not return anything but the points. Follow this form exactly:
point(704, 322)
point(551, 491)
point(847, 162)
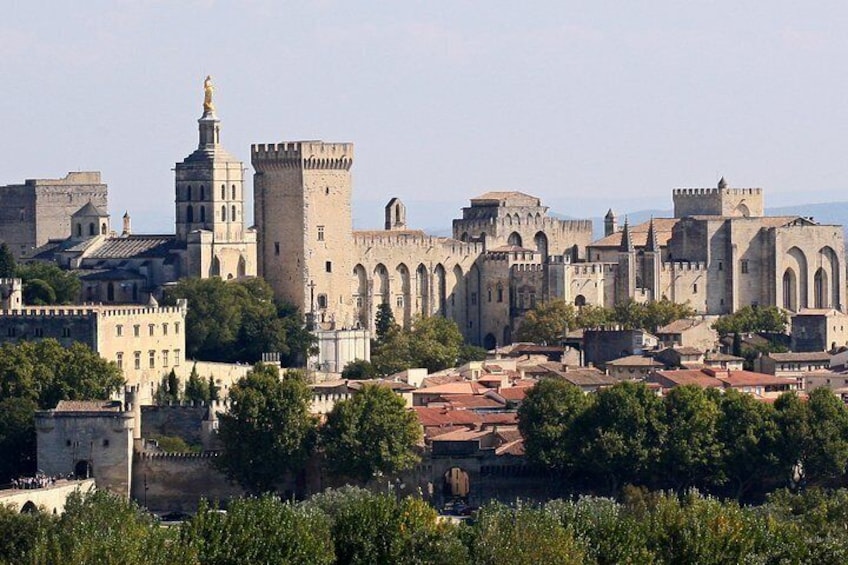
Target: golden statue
point(208, 89)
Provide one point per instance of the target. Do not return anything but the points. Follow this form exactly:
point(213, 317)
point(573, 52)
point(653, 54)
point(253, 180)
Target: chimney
point(127, 228)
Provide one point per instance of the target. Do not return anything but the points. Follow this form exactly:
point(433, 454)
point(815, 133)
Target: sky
point(587, 105)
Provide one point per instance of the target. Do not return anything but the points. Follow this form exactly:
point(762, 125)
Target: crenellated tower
point(302, 203)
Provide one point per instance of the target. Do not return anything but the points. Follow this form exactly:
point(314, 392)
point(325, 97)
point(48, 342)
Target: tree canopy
point(46, 283)
point(37, 375)
point(238, 321)
point(434, 342)
point(8, 265)
point(268, 431)
point(752, 319)
point(370, 433)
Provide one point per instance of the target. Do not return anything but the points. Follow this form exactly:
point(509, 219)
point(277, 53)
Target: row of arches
point(189, 192)
point(797, 293)
point(540, 241)
point(202, 213)
point(423, 291)
point(215, 269)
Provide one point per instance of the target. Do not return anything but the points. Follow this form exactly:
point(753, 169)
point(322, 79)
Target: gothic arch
point(241, 270)
point(91, 229)
point(790, 290)
point(456, 302)
point(404, 296)
point(103, 228)
point(742, 210)
point(820, 289)
point(829, 261)
point(580, 300)
point(360, 296)
point(224, 213)
point(190, 213)
point(203, 214)
point(541, 241)
point(514, 239)
point(215, 268)
point(381, 284)
point(422, 281)
point(797, 260)
point(440, 287)
point(464, 236)
point(490, 341)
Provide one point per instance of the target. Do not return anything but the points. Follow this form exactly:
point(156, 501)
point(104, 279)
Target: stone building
point(482, 277)
point(146, 342)
point(719, 253)
point(40, 210)
point(211, 239)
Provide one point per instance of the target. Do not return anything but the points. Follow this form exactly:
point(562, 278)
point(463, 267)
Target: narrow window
point(234, 192)
point(165, 329)
point(165, 357)
point(176, 358)
point(223, 213)
point(490, 294)
point(66, 332)
point(151, 358)
point(150, 329)
point(320, 233)
point(744, 266)
point(119, 359)
point(233, 213)
point(119, 330)
point(720, 266)
point(695, 288)
point(328, 266)
point(223, 192)
point(39, 332)
point(176, 327)
point(276, 248)
point(400, 301)
point(322, 301)
point(500, 294)
point(203, 214)
point(136, 330)
point(137, 359)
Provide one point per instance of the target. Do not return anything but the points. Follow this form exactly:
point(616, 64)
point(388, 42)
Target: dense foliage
point(239, 321)
point(46, 283)
point(353, 526)
point(549, 321)
point(730, 444)
point(435, 343)
point(8, 265)
point(37, 375)
point(752, 319)
point(371, 433)
point(268, 431)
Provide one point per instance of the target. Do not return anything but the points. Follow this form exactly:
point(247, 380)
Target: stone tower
point(209, 204)
point(302, 196)
point(395, 215)
point(610, 223)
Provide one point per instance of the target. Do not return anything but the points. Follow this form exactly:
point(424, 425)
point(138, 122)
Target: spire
point(722, 183)
point(652, 244)
point(610, 225)
point(626, 240)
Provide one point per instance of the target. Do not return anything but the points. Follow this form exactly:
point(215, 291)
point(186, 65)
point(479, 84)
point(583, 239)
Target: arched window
point(322, 301)
point(223, 213)
point(79, 230)
point(223, 192)
point(233, 214)
point(102, 229)
point(202, 192)
point(188, 192)
point(234, 192)
point(190, 214)
point(202, 214)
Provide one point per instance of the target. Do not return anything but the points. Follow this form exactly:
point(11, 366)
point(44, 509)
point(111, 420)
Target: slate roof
point(89, 210)
point(135, 246)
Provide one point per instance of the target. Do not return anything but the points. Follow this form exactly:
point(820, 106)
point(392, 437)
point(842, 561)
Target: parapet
point(71, 179)
point(301, 154)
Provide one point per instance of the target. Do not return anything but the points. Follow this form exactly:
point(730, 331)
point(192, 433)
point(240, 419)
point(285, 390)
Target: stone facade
point(39, 210)
point(145, 342)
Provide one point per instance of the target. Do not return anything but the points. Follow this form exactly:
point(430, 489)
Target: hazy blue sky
point(585, 104)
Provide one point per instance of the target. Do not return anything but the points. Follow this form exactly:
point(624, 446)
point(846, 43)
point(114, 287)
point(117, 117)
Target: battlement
point(684, 192)
point(592, 268)
point(301, 154)
point(194, 456)
point(389, 239)
point(90, 310)
point(528, 268)
point(678, 266)
point(73, 178)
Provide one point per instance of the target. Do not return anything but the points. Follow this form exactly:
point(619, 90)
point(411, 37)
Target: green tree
point(546, 421)
point(8, 266)
point(659, 313)
point(747, 429)
point(237, 320)
point(691, 451)
point(268, 431)
point(827, 452)
point(522, 535)
point(213, 390)
point(548, 322)
point(622, 432)
point(752, 319)
point(109, 530)
point(384, 319)
point(792, 418)
point(358, 370)
point(38, 375)
point(591, 316)
point(380, 528)
point(65, 285)
point(197, 388)
point(370, 433)
point(469, 352)
point(630, 314)
point(259, 530)
point(434, 343)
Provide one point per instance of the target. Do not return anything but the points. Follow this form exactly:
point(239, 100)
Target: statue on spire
point(208, 90)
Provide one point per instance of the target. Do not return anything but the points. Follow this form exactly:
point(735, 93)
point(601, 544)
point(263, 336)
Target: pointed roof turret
point(722, 183)
point(626, 240)
point(652, 244)
point(610, 215)
point(89, 210)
